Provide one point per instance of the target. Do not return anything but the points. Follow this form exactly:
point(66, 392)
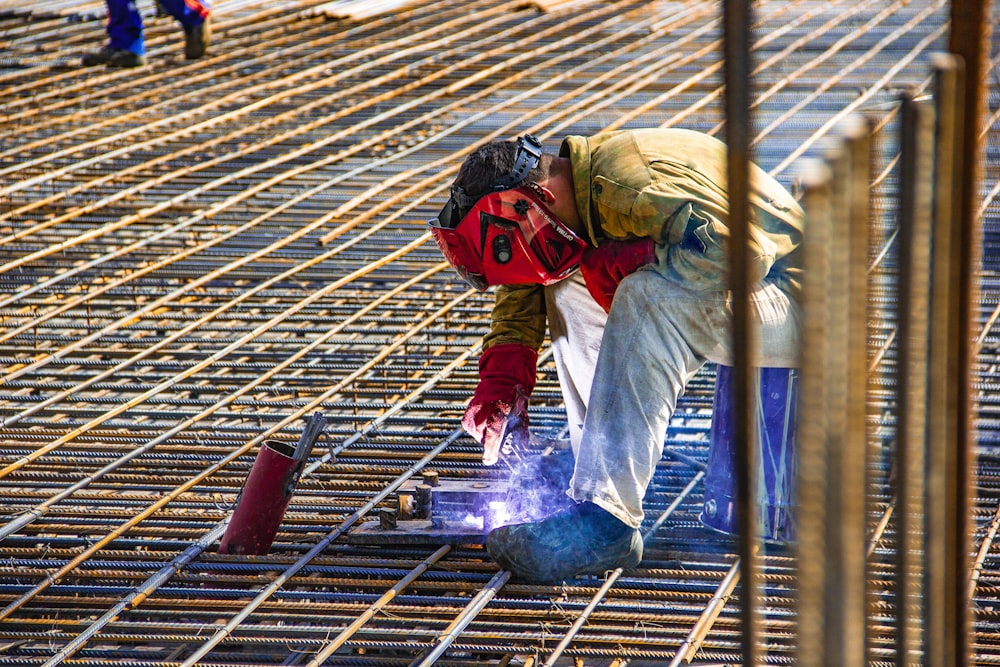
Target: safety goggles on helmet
point(509, 236)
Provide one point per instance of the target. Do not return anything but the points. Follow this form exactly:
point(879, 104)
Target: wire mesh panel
point(195, 256)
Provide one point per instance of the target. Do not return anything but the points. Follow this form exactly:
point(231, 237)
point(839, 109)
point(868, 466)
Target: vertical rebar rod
point(846, 602)
point(737, 68)
point(817, 182)
point(944, 412)
point(858, 453)
point(916, 142)
point(971, 23)
point(833, 436)
point(943, 360)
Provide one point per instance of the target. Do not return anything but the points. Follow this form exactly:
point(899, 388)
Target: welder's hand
point(607, 265)
point(507, 431)
point(505, 372)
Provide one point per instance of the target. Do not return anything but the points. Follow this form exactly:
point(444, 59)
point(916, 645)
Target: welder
point(126, 45)
point(618, 244)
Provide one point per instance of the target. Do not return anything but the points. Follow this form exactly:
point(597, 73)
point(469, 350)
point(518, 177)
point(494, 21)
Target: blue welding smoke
point(537, 489)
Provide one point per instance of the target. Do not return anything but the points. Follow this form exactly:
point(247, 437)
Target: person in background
point(126, 47)
point(619, 243)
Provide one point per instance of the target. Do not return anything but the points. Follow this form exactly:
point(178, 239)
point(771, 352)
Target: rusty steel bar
point(981, 555)
point(945, 411)
point(455, 628)
point(969, 40)
point(814, 478)
point(738, 82)
point(862, 235)
point(848, 453)
point(386, 598)
point(915, 204)
point(51, 578)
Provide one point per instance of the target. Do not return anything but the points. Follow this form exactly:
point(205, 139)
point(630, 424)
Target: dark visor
point(455, 248)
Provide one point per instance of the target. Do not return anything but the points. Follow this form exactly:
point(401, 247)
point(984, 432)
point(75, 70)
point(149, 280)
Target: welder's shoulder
point(656, 142)
point(633, 157)
point(639, 178)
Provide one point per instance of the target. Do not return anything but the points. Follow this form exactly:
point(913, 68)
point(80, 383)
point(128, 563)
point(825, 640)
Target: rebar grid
point(196, 255)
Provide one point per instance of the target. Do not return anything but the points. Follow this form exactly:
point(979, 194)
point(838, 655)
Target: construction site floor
point(196, 255)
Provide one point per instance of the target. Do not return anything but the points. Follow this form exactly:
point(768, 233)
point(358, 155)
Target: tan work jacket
point(669, 185)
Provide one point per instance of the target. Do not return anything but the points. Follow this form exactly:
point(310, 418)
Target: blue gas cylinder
point(777, 461)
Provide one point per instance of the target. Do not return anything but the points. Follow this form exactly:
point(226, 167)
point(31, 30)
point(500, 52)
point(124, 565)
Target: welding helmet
point(508, 236)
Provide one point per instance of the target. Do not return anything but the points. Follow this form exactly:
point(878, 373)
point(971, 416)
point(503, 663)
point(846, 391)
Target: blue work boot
point(113, 58)
point(197, 39)
point(582, 540)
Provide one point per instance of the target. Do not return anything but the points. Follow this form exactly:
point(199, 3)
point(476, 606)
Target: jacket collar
point(577, 149)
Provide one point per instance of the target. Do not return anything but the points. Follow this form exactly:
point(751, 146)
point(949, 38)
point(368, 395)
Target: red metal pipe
point(263, 500)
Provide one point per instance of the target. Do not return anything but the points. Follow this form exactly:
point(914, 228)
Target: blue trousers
point(125, 22)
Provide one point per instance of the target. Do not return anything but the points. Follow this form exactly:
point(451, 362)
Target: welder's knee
point(671, 316)
point(645, 287)
point(640, 288)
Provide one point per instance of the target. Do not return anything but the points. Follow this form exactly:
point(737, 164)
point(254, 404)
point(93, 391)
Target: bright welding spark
point(500, 514)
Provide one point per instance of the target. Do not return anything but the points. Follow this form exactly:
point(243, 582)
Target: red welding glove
point(506, 371)
point(605, 266)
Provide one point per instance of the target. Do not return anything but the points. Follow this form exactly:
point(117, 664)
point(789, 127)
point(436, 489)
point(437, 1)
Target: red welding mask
point(509, 236)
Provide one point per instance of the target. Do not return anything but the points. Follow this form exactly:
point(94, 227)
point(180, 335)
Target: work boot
point(582, 540)
point(197, 38)
point(113, 58)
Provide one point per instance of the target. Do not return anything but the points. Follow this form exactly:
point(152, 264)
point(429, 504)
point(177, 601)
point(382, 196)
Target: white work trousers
point(621, 373)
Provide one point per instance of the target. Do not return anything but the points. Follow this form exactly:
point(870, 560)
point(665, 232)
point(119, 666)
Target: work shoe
point(582, 540)
point(197, 38)
point(113, 58)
